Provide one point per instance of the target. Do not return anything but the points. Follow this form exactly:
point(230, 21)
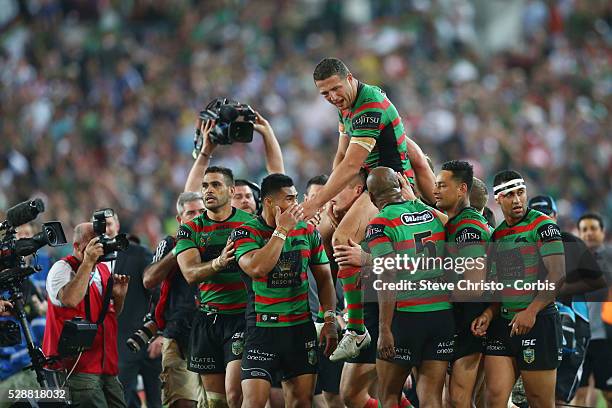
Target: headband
point(509, 186)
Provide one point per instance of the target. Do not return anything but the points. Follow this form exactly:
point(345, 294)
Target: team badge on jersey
point(529, 355)
point(312, 356)
point(237, 347)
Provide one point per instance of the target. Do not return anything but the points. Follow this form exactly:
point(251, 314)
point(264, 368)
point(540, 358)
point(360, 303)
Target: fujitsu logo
point(366, 120)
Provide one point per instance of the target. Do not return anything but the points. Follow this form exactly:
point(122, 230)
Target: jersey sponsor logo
point(239, 233)
point(368, 120)
point(183, 233)
point(269, 317)
point(528, 342)
point(286, 273)
point(549, 232)
point(255, 373)
point(468, 235)
point(529, 355)
point(375, 231)
point(417, 218)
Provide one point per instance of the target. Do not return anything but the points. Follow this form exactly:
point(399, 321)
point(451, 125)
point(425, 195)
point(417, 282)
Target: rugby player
point(467, 233)
point(206, 257)
point(371, 135)
point(526, 337)
point(274, 252)
point(416, 325)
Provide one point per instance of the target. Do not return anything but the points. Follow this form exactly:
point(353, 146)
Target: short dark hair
point(506, 175)
point(591, 216)
point(329, 67)
point(463, 172)
point(273, 183)
point(319, 180)
point(479, 194)
point(227, 173)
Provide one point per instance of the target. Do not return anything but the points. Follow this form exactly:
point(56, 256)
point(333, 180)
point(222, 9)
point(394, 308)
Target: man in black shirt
point(174, 312)
point(582, 275)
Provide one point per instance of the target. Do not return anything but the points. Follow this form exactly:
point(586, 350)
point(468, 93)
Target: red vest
point(102, 357)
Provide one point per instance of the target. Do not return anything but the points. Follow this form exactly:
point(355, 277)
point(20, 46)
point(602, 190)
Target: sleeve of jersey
point(548, 237)
point(471, 240)
point(378, 238)
point(163, 248)
point(244, 241)
point(185, 239)
point(317, 252)
point(366, 128)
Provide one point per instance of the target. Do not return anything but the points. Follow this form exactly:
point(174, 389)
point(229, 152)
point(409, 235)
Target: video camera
point(233, 123)
point(14, 270)
point(12, 251)
point(110, 245)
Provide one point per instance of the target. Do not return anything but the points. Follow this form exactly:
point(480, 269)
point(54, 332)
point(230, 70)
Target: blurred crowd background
point(98, 99)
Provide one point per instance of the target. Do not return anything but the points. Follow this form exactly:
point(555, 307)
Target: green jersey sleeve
point(185, 239)
point(244, 240)
point(379, 238)
point(548, 238)
point(317, 252)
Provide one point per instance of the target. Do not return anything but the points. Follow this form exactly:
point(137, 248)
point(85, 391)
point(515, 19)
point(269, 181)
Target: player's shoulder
point(470, 216)
point(243, 216)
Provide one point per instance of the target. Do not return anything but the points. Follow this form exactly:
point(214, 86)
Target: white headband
point(509, 186)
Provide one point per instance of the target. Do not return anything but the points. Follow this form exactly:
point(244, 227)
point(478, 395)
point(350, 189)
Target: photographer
point(132, 262)
point(174, 312)
point(72, 281)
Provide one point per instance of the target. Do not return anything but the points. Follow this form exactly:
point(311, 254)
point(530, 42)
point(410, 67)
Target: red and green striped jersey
point(517, 253)
point(281, 298)
point(374, 123)
point(467, 234)
point(225, 292)
point(413, 229)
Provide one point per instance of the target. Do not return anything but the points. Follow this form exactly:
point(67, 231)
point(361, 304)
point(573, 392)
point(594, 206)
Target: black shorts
point(599, 363)
point(215, 340)
point(421, 336)
point(569, 372)
point(330, 372)
point(540, 349)
point(279, 353)
point(465, 342)
point(370, 317)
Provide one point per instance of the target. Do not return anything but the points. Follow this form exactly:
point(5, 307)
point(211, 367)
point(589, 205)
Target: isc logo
point(529, 342)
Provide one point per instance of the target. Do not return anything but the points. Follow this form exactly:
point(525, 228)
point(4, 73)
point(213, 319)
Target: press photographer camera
point(143, 335)
point(14, 271)
point(110, 245)
point(233, 123)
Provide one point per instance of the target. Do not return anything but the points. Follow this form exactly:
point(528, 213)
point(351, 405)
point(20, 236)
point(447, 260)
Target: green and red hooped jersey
point(281, 298)
point(413, 229)
point(467, 234)
point(374, 123)
point(516, 255)
point(225, 292)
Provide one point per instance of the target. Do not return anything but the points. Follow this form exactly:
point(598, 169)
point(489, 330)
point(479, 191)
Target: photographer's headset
point(256, 193)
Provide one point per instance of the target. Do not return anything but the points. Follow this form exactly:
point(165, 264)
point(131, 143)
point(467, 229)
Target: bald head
point(83, 233)
point(383, 186)
point(479, 194)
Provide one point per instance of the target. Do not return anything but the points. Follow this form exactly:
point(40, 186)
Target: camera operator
point(132, 262)
point(174, 312)
point(243, 196)
point(72, 281)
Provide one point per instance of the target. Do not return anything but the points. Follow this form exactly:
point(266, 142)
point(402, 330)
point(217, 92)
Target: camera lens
point(51, 236)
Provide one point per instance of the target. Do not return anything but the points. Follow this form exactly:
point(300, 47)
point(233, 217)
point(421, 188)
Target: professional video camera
point(14, 270)
point(109, 245)
point(234, 123)
point(12, 251)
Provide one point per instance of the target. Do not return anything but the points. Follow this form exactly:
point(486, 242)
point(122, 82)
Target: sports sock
point(350, 278)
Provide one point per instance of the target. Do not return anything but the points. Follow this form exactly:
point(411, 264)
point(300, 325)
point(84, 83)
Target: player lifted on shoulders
point(371, 135)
